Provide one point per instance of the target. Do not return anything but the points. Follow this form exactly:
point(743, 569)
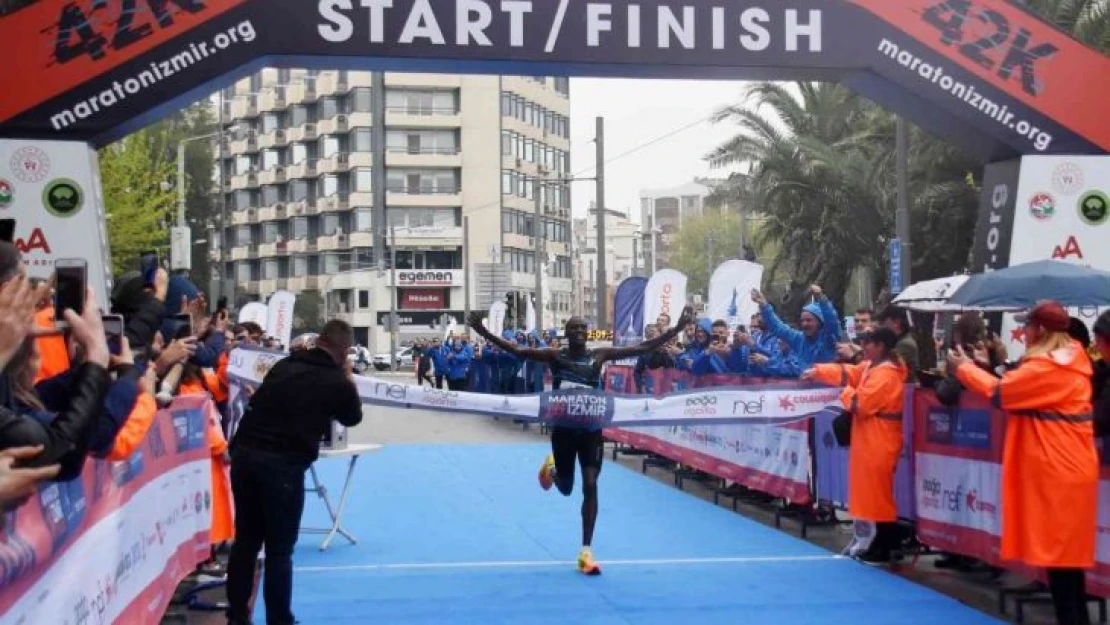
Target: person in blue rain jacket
point(719, 357)
point(782, 364)
point(507, 366)
point(457, 358)
point(697, 345)
point(816, 342)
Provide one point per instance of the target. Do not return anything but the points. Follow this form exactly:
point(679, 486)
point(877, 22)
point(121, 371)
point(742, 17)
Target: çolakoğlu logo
point(63, 197)
point(1094, 208)
point(1042, 206)
point(7, 193)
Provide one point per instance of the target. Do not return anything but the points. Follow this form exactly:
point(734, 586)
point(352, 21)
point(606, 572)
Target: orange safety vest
point(53, 354)
point(223, 522)
point(1049, 461)
point(874, 395)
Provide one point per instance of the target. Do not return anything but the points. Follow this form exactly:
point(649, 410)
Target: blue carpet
point(463, 534)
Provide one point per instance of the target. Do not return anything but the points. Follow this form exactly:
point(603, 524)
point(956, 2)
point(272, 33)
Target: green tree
point(703, 243)
point(133, 173)
point(308, 311)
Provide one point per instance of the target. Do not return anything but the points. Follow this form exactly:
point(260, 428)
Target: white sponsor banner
point(1062, 213)
point(117, 559)
point(530, 316)
point(496, 321)
point(665, 293)
point(730, 290)
point(777, 451)
point(52, 190)
point(255, 312)
point(279, 316)
point(958, 491)
point(719, 405)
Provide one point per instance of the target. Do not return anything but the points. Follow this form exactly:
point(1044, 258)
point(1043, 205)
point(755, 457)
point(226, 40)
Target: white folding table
point(336, 513)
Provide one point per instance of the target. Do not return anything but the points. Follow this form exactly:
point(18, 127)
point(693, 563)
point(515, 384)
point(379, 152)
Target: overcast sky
point(637, 112)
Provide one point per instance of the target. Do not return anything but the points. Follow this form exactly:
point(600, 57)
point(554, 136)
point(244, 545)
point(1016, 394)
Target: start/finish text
point(713, 25)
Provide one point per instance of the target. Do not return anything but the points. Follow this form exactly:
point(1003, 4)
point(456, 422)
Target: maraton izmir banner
point(981, 72)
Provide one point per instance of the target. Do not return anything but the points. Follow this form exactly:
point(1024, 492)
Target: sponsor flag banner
point(279, 316)
point(665, 293)
point(752, 404)
point(628, 308)
point(1061, 212)
point(112, 545)
point(495, 322)
point(730, 290)
point(52, 191)
point(255, 312)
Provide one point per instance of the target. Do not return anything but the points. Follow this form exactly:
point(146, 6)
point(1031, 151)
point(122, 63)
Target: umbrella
point(931, 295)
point(1020, 287)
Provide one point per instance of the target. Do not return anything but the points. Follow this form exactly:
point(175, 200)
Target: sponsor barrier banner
point(771, 458)
point(112, 545)
point(958, 464)
point(589, 408)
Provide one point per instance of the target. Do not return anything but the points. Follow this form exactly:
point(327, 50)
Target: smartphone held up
point(71, 277)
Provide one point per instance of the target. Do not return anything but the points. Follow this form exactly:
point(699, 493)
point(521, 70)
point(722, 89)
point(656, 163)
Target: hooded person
point(181, 292)
point(703, 329)
point(507, 365)
point(457, 357)
point(816, 341)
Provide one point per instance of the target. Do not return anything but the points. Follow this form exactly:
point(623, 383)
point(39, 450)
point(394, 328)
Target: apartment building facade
point(298, 176)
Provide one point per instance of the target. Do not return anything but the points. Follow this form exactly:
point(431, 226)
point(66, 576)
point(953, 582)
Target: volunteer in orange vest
point(873, 394)
point(1049, 462)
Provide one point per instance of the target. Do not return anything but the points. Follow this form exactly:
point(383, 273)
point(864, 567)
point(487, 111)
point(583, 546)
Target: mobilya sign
point(982, 72)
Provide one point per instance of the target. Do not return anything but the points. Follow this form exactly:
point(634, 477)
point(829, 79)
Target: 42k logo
point(953, 18)
point(83, 31)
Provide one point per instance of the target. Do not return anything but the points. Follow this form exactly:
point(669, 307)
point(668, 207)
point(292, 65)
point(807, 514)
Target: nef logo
point(934, 495)
point(754, 407)
point(700, 406)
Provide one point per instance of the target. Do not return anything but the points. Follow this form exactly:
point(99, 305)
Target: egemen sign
point(983, 73)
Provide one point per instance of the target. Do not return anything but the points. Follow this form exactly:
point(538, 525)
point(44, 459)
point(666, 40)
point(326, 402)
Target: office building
point(624, 257)
point(299, 182)
point(661, 212)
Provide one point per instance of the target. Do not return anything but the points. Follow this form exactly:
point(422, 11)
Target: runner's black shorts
point(568, 444)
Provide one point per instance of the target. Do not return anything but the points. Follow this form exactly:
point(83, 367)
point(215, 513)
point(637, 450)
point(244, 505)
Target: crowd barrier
point(112, 545)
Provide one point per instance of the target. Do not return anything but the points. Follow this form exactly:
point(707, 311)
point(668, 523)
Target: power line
point(650, 142)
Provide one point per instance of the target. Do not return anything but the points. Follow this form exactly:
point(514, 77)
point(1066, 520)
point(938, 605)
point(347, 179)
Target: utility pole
point(602, 290)
point(466, 268)
point(538, 231)
point(902, 217)
point(392, 299)
point(222, 272)
point(377, 184)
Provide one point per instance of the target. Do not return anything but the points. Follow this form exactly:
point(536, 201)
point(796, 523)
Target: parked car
point(404, 358)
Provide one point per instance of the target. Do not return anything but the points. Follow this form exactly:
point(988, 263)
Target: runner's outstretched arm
point(526, 353)
point(617, 353)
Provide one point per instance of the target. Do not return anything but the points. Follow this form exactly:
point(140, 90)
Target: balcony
point(422, 157)
point(268, 213)
point(303, 169)
point(361, 199)
point(360, 119)
point(272, 176)
point(313, 283)
point(296, 284)
point(244, 106)
point(339, 162)
point(245, 181)
point(332, 83)
point(360, 159)
point(267, 249)
point(362, 239)
point(243, 145)
point(333, 242)
point(331, 126)
point(422, 81)
point(301, 92)
point(296, 246)
point(272, 98)
point(304, 132)
point(402, 196)
point(422, 117)
point(332, 203)
point(272, 139)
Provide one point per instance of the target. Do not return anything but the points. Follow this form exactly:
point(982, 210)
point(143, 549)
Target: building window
point(363, 221)
point(422, 181)
point(298, 153)
point(270, 122)
point(361, 140)
point(270, 269)
point(360, 100)
point(363, 299)
point(327, 108)
point(423, 217)
point(271, 159)
point(300, 266)
point(329, 264)
point(270, 232)
point(245, 163)
point(272, 194)
point(300, 228)
point(329, 146)
point(362, 180)
point(422, 102)
point(299, 115)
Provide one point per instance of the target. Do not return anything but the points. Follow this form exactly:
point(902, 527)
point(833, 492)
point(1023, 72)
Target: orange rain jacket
point(223, 521)
point(53, 353)
point(874, 394)
point(1049, 461)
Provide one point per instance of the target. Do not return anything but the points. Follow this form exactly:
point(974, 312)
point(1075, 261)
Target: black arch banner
point(983, 73)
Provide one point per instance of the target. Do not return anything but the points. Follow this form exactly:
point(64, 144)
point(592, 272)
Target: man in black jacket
point(277, 441)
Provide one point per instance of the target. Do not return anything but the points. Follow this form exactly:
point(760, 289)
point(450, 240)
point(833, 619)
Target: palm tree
point(1086, 20)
